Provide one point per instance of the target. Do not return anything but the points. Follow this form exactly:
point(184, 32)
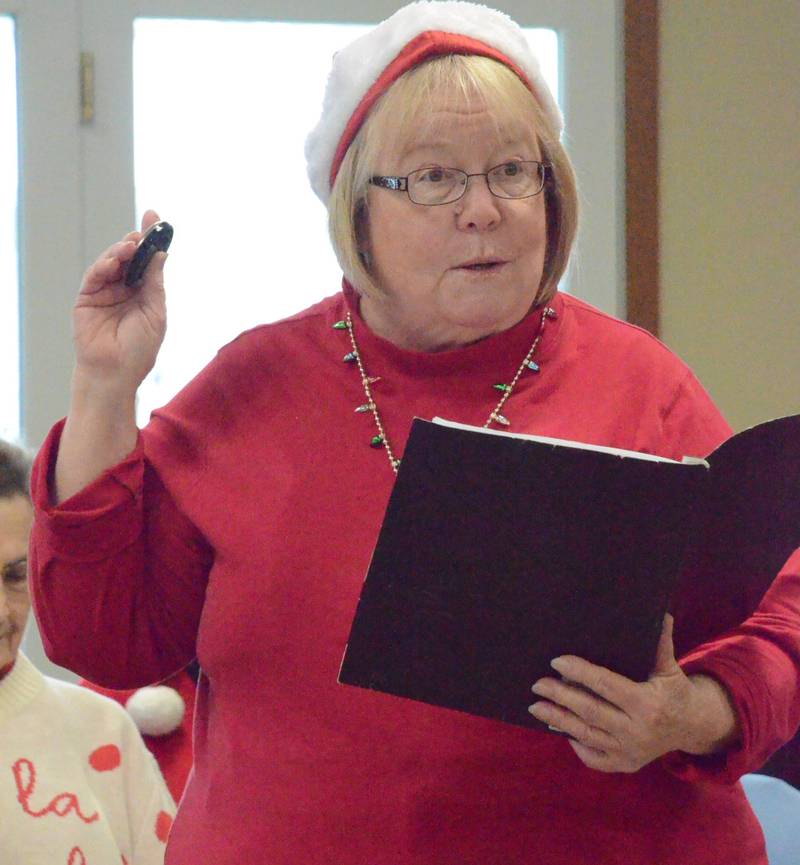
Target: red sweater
point(241, 528)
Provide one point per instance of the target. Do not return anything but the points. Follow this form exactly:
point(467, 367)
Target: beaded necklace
point(495, 416)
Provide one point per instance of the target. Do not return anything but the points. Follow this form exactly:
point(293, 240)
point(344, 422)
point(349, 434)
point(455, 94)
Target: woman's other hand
point(618, 725)
point(119, 330)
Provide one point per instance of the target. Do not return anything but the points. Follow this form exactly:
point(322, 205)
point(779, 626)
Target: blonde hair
point(404, 106)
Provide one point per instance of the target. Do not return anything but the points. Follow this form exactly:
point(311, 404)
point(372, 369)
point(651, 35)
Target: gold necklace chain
point(495, 416)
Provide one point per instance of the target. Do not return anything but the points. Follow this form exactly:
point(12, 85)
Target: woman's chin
point(482, 316)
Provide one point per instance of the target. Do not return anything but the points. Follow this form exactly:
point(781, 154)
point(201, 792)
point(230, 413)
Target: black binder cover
point(498, 554)
point(743, 531)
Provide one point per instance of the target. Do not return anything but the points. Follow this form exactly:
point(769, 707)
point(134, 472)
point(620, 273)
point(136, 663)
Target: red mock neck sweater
point(241, 528)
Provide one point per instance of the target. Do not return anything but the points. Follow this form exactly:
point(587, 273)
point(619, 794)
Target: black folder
point(498, 553)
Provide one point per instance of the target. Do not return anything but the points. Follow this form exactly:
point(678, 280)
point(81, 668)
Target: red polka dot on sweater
point(163, 825)
point(105, 758)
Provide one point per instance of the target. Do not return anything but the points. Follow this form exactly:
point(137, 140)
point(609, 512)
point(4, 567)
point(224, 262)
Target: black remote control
point(157, 238)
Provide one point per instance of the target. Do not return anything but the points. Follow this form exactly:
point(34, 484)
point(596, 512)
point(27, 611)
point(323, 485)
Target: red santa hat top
point(367, 67)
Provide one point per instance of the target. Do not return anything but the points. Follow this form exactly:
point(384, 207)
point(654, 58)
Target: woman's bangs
point(404, 113)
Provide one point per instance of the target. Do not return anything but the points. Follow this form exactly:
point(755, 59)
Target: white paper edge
point(572, 444)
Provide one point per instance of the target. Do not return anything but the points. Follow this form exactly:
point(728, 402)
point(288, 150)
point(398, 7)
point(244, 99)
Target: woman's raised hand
point(118, 330)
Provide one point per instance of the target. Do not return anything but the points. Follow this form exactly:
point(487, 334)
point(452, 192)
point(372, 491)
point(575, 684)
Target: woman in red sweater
point(238, 525)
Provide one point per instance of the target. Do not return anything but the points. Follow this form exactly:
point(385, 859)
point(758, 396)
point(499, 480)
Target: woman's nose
point(478, 209)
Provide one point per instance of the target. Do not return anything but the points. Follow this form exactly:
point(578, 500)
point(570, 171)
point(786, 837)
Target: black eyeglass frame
point(400, 184)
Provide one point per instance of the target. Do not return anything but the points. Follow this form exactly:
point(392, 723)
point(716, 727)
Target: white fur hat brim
point(358, 66)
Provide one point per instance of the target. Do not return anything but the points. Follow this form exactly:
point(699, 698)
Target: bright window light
point(9, 265)
point(219, 154)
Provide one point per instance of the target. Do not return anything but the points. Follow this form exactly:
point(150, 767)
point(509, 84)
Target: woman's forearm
point(99, 432)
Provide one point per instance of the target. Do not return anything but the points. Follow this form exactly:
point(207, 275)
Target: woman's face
point(454, 273)
point(16, 517)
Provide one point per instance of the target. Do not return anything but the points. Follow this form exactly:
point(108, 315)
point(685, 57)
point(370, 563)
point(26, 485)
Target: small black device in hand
point(157, 238)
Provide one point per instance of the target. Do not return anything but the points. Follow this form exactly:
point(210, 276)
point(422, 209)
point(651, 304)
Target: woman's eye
point(15, 574)
point(511, 169)
point(432, 175)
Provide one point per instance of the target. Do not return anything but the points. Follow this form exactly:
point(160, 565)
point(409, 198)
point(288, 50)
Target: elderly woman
point(77, 785)
point(239, 523)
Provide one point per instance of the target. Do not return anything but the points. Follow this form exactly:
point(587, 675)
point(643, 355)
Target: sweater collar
point(511, 344)
point(20, 685)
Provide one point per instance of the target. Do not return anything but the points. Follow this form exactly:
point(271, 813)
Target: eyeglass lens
point(444, 185)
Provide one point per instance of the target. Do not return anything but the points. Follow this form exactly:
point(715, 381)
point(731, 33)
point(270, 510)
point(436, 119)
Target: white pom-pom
point(157, 710)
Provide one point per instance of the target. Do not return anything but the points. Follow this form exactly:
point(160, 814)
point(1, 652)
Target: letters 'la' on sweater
point(241, 527)
point(77, 785)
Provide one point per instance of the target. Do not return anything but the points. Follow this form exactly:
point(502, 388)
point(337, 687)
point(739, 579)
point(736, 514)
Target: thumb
point(153, 284)
point(159, 260)
point(665, 653)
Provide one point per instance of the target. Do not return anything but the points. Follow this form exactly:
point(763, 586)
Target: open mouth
point(482, 266)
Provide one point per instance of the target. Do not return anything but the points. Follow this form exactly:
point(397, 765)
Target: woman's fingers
point(100, 274)
point(107, 269)
point(593, 757)
point(588, 706)
point(581, 714)
point(612, 687)
point(558, 718)
point(149, 218)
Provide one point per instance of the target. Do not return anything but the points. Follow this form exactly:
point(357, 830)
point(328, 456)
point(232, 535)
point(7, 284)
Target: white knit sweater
point(77, 785)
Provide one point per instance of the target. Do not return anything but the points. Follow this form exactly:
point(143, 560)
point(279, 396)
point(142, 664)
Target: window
point(9, 266)
point(210, 161)
point(78, 191)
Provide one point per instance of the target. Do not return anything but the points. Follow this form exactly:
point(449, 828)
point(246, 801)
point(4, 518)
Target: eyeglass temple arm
point(400, 183)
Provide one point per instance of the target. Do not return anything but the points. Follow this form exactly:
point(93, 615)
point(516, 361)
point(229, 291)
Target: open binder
point(499, 552)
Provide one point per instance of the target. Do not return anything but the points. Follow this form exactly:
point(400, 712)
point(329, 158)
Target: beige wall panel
point(730, 199)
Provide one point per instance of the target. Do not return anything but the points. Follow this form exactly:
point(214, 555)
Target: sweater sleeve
point(692, 424)
point(757, 662)
point(117, 573)
point(150, 808)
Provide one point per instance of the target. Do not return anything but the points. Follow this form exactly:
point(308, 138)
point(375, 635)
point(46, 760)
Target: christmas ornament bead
point(381, 440)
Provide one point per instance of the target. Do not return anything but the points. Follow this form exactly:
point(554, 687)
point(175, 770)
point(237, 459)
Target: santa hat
point(367, 67)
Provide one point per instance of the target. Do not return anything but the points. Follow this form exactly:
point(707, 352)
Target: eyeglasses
point(436, 185)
